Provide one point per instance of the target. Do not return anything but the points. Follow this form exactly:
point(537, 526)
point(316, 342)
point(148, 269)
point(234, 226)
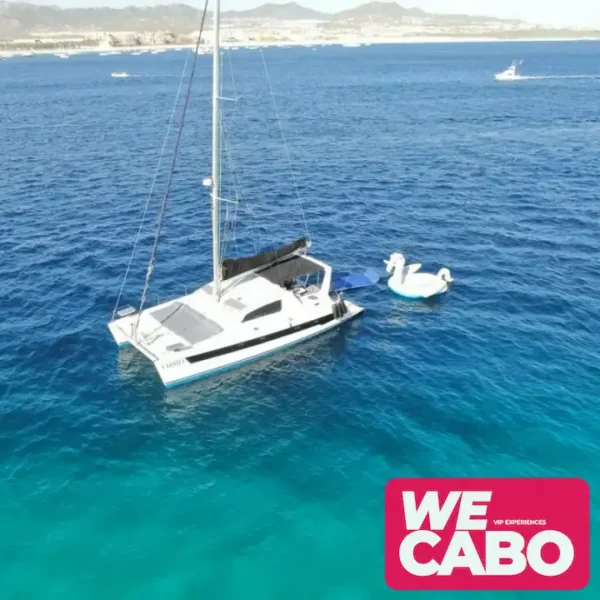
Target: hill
point(380, 11)
point(292, 11)
point(22, 19)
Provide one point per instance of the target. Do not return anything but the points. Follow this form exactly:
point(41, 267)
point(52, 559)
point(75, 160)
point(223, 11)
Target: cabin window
point(263, 311)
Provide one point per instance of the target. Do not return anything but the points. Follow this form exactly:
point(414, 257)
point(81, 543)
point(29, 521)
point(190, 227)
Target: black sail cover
point(231, 267)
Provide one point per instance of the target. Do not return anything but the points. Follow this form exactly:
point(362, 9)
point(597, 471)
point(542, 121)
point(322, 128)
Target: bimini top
point(289, 269)
point(231, 267)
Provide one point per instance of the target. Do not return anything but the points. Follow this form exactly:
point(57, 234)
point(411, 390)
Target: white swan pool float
point(408, 282)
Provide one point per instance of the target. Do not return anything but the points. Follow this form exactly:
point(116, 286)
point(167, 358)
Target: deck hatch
point(185, 322)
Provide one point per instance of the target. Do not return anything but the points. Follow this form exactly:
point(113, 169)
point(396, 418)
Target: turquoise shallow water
point(268, 482)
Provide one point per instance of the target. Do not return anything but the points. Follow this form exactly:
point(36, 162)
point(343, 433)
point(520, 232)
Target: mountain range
point(19, 18)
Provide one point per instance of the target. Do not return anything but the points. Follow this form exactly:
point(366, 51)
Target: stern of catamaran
point(122, 325)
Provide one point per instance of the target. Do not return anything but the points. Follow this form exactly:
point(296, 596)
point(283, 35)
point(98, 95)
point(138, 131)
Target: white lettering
point(565, 548)
point(461, 542)
point(430, 505)
point(468, 510)
point(513, 552)
point(407, 553)
point(499, 546)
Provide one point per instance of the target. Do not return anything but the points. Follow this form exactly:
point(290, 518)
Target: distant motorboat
point(509, 74)
point(119, 74)
point(62, 55)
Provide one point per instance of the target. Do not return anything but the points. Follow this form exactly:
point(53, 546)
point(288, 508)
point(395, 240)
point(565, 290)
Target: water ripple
point(112, 485)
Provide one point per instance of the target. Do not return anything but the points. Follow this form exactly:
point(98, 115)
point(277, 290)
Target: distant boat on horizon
point(510, 74)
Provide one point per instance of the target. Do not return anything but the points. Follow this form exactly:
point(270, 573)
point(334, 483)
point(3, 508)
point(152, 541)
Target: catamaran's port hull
point(179, 368)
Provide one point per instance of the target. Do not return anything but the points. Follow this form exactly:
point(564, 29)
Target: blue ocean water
point(268, 482)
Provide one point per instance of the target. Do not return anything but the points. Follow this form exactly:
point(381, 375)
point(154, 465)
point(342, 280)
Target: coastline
point(254, 44)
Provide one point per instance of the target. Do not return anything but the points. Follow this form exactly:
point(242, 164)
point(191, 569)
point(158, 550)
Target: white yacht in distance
point(119, 74)
point(254, 306)
point(509, 74)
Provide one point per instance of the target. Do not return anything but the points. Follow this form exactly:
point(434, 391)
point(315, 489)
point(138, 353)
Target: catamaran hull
point(179, 370)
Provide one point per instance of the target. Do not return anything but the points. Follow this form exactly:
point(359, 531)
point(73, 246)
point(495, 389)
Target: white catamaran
point(253, 307)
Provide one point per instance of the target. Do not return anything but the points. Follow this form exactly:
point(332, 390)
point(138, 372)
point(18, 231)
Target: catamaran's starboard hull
point(178, 369)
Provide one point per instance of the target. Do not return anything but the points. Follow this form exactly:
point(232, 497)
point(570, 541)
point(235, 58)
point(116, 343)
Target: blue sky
point(557, 12)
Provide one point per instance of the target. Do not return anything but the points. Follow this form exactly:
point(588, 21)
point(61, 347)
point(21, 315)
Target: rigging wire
point(229, 226)
point(161, 217)
point(283, 138)
point(256, 233)
point(229, 235)
point(154, 179)
point(235, 172)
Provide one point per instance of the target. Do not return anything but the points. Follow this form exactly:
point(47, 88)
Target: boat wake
point(510, 74)
point(540, 77)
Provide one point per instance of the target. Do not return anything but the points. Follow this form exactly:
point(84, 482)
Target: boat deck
point(250, 306)
point(185, 322)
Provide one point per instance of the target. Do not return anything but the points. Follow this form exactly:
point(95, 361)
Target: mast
point(216, 151)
